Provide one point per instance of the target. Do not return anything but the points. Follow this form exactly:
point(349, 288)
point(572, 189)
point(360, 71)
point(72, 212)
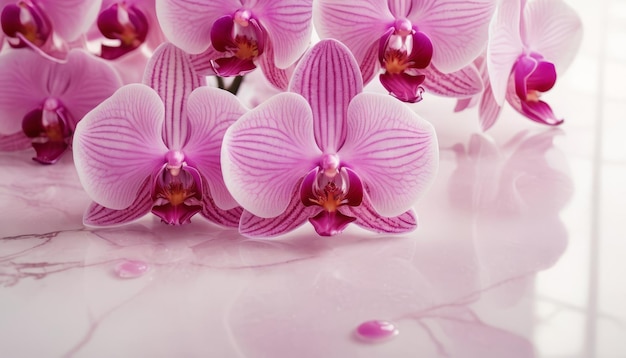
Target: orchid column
point(328, 153)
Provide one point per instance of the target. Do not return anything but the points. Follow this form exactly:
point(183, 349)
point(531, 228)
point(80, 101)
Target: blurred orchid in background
point(233, 36)
point(47, 26)
point(41, 101)
point(529, 44)
point(328, 153)
point(131, 23)
point(156, 147)
point(429, 43)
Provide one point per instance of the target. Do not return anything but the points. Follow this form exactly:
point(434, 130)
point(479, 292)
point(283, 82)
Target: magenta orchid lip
point(324, 149)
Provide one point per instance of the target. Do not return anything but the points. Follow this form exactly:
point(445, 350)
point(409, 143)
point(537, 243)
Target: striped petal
point(328, 77)
point(118, 145)
point(393, 151)
point(288, 25)
point(267, 151)
point(504, 47)
point(187, 23)
point(294, 216)
point(488, 110)
point(212, 212)
point(98, 215)
point(367, 218)
point(171, 74)
point(14, 142)
point(358, 27)
point(462, 83)
point(211, 111)
point(458, 29)
point(554, 30)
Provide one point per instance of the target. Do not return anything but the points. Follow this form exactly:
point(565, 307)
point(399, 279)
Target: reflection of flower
point(514, 193)
point(157, 148)
point(41, 101)
point(328, 153)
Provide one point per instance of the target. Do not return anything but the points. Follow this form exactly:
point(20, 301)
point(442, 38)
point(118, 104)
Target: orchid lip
point(125, 23)
point(26, 22)
point(49, 130)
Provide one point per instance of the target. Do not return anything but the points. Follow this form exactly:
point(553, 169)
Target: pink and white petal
point(187, 23)
point(288, 25)
point(400, 8)
point(355, 26)
point(211, 111)
point(554, 30)
point(370, 65)
point(458, 30)
point(203, 62)
point(71, 18)
point(97, 215)
point(489, 110)
point(392, 149)
point(367, 218)
point(504, 47)
point(458, 84)
point(226, 218)
point(277, 77)
point(14, 142)
point(294, 216)
point(118, 145)
point(328, 77)
point(466, 103)
point(171, 74)
point(82, 83)
point(22, 87)
point(267, 151)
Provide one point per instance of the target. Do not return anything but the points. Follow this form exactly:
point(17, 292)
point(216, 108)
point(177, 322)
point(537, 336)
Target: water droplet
point(131, 269)
point(376, 331)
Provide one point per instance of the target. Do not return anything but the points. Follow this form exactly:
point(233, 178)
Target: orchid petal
point(20, 89)
point(370, 64)
point(98, 215)
point(288, 25)
point(118, 144)
point(538, 111)
point(355, 26)
point(489, 110)
point(267, 151)
point(465, 103)
point(277, 77)
point(400, 8)
point(203, 62)
point(403, 86)
point(294, 216)
point(328, 77)
point(554, 30)
point(367, 218)
point(458, 29)
point(82, 83)
point(393, 151)
point(504, 47)
point(187, 23)
point(14, 142)
point(462, 83)
point(71, 18)
point(227, 218)
point(211, 111)
point(171, 74)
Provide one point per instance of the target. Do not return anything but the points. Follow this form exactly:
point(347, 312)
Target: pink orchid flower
point(47, 26)
point(429, 43)
point(234, 35)
point(131, 23)
point(328, 153)
point(156, 147)
point(41, 101)
point(530, 43)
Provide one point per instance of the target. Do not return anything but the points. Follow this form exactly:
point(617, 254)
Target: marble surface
point(519, 251)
